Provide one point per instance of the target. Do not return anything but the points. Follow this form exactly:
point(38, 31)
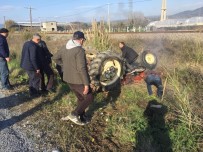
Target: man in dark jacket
point(4, 58)
point(130, 55)
point(30, 63)
point(76, 75)
point(45, 66)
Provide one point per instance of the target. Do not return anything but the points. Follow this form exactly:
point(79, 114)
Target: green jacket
point(74, 65)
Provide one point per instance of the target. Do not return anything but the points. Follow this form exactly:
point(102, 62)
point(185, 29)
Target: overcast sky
point(86, 10)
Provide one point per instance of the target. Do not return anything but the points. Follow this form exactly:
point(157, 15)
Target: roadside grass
point(123, 120)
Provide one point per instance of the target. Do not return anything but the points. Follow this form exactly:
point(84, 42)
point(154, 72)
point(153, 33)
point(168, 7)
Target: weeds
point(119, 122)
point(98, 38)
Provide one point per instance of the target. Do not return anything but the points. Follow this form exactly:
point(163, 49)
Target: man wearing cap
point(4, 58)
point(30, 63)
point(76, 75)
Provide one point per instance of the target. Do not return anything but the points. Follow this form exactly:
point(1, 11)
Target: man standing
point(76, 75)
point(129, 54)
point(30, 63)
point(45, 66)
point(4, 58)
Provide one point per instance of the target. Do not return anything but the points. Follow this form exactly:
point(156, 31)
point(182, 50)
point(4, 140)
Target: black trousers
point(132, 64)
point(34, 82)
point(83, 101)
point(60, 71)
point(49, 72)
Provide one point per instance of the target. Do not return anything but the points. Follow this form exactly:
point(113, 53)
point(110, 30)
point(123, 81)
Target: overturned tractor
point(106, 69)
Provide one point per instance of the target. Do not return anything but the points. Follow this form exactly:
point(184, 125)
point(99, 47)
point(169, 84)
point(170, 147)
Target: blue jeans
point(4, 72)
point(155, 80)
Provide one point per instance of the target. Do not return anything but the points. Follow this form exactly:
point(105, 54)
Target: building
point(175, 23)
point(49, 26)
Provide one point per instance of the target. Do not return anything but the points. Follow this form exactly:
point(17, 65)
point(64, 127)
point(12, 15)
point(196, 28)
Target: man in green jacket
point(75, 73)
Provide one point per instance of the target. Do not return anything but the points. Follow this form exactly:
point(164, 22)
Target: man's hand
point(86, 90)
point(37, 71)
point(7, 59)
point(38, 74)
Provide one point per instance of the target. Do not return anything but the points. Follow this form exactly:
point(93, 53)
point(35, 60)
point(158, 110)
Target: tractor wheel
point(148, 60)
point(105, 71)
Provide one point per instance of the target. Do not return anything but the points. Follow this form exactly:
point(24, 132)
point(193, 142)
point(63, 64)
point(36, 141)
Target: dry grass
point(118, 117)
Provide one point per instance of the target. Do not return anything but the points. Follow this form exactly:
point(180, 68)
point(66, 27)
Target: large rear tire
point(106, 70)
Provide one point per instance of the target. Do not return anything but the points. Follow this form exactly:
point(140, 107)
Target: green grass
point(122, 120)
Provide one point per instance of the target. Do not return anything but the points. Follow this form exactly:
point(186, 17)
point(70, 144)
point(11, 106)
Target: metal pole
point(30, 8)
point(4, 22)
point(31, 17)
point(109, 22)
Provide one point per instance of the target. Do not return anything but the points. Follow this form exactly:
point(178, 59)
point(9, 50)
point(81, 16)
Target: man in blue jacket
point(30, 63)
point(4, 58)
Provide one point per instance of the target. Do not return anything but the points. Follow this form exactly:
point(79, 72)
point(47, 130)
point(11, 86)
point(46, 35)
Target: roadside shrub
point(98, 38)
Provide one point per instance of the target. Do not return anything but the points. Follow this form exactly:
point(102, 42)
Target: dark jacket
point(29, 58)
point(44, 53)
point(74, 65)
point(129, 54)
point(4, 49)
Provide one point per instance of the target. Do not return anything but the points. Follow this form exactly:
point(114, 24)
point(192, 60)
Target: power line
point(80, 12)
point(101, 6)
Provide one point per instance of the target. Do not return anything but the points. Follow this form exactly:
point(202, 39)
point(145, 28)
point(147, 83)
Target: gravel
point(12, 137)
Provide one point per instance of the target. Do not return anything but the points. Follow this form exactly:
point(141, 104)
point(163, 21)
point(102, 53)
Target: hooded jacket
point(74, 63)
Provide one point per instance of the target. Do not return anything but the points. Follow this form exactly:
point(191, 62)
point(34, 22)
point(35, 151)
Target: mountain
point(188, 14)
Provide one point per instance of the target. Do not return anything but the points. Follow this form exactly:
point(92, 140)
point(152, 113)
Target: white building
point(49, 26)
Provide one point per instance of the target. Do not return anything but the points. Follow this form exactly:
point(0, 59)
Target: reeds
point(98, 38)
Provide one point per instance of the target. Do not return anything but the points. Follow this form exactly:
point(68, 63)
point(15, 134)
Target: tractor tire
point(106, 70)
point(148, 60)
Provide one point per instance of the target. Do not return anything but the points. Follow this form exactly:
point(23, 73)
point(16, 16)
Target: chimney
point(163, 11)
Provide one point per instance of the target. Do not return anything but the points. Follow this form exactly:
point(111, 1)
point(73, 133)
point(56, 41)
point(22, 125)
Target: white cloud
point(7, 8)
point(86, 7)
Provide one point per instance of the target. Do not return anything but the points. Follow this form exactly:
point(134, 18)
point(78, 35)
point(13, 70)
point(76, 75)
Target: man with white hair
point(30, 63)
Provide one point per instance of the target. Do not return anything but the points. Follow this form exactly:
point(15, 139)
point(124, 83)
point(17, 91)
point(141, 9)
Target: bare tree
point(137, 19)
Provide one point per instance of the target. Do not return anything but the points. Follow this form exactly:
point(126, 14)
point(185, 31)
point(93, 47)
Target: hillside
point(188, 14)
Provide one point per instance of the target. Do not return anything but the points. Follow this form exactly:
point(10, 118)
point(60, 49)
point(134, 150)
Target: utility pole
point(109, 22)
point(4, 21)
point(163, 11)
point(30, 8)
point(130, 3)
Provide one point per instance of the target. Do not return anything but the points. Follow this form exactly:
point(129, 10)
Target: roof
point(177, 22)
